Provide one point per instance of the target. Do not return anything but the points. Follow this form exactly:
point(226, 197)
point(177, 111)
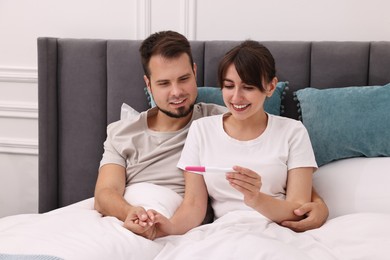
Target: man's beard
point(181, 112)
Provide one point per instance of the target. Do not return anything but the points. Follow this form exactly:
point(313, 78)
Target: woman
point(271, 157)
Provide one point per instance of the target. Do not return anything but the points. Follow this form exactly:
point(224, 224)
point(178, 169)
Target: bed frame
point(83, 82)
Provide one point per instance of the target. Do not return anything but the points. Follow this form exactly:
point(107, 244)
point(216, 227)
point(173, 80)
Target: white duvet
point(79, 232)
point(245, 235)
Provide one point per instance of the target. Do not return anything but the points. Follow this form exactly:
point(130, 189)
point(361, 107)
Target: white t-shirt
point(147, 155)
point(284, 145)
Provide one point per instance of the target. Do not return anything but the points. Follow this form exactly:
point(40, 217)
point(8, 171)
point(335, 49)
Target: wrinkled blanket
point(80, 232)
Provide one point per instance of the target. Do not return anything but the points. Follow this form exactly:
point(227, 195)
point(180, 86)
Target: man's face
point(173, 84)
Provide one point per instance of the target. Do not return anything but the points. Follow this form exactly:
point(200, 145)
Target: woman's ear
point(271, 87)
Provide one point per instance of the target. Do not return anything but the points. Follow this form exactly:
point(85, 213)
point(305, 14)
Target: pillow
point(128, 113)
point(214, 95)
point(152, 196)
point(346, 122)
point(354, 185)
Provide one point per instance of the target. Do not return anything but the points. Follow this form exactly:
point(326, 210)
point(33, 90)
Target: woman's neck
point(245, 130)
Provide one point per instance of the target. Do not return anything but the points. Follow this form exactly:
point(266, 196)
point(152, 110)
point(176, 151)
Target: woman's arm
point(315, 214)
point(190, 213)
point(299, 186)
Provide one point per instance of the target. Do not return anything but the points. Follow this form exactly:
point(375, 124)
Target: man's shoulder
point(126, 123)
point(207, 109)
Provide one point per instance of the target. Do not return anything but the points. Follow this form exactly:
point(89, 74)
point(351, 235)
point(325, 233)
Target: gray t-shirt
point(147, 155)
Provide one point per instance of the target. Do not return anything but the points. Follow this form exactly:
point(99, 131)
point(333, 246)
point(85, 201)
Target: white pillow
point(128, 113)
point(355, 185)
point(151, 196)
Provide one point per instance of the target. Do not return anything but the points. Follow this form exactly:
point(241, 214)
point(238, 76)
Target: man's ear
point(147, 83)
point(195, 69)
point(271, 87)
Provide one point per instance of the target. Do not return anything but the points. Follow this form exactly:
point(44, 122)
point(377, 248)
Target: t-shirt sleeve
point(301, 151)
point(111, 154)
point(190, 153)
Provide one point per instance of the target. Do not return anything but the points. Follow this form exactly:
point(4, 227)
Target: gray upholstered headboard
point(83, 83)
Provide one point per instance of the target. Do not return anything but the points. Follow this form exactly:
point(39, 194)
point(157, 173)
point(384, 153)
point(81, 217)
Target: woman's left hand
point(245, 181)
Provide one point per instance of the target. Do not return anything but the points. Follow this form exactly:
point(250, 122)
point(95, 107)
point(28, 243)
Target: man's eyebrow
point(162, 81)
point(185, 75)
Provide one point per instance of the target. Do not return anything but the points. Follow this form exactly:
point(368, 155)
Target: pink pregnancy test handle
point(195, 168)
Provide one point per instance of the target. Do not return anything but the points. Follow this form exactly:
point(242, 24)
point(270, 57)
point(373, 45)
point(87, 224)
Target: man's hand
point(141, 222)
point(316, 214)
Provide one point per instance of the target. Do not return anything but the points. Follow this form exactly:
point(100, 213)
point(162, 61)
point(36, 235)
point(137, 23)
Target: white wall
point(22, 21)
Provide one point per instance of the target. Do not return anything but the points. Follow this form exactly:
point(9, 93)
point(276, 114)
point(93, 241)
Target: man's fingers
point(304, 209)
point(297, 226)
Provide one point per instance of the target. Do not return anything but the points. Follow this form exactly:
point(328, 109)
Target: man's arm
point(109, 199)
point(316, 213)
point(109, 191)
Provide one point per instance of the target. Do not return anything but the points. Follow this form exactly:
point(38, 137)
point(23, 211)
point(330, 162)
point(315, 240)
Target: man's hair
point(168, 44)
point(253, 61)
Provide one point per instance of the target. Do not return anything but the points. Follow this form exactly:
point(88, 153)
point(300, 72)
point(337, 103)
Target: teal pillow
point(210, 95)
point(346, 122)
point(214, 95)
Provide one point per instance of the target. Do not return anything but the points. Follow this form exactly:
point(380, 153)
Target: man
point(148, 149)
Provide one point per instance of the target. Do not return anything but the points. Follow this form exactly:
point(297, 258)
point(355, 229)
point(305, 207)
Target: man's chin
point(180, 112)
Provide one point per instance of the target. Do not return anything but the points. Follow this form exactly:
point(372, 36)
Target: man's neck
point(161, 122)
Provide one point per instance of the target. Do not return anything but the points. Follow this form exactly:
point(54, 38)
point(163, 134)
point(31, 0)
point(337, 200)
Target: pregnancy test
point(207, 169)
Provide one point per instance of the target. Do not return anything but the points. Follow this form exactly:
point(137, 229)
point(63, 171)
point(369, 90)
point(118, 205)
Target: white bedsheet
point(247, 235)
point(74, 232)
point(79, 232)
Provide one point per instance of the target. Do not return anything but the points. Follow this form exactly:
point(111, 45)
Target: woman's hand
point(247, 182)
point(141, 222)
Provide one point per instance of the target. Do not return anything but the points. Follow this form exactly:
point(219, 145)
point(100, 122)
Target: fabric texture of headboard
point(82, 84)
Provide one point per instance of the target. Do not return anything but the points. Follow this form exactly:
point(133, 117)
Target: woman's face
point(243, 101)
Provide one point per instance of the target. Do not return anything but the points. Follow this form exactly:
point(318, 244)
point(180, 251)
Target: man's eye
point(184, 79)
point(228, 86)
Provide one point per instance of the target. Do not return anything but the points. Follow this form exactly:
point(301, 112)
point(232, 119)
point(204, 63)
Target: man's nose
point(176, 89)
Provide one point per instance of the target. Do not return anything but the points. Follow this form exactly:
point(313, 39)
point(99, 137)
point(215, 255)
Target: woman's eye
point(228, 86)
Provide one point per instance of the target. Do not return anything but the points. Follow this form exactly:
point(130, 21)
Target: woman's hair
point(253, 61)
point(168, 44)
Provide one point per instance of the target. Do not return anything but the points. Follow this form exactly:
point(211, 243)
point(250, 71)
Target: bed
point(338, 90)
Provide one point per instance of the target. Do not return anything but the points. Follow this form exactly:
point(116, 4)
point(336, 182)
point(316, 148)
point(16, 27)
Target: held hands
point(245, 181)
point(149, 224)
point(140, 222)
